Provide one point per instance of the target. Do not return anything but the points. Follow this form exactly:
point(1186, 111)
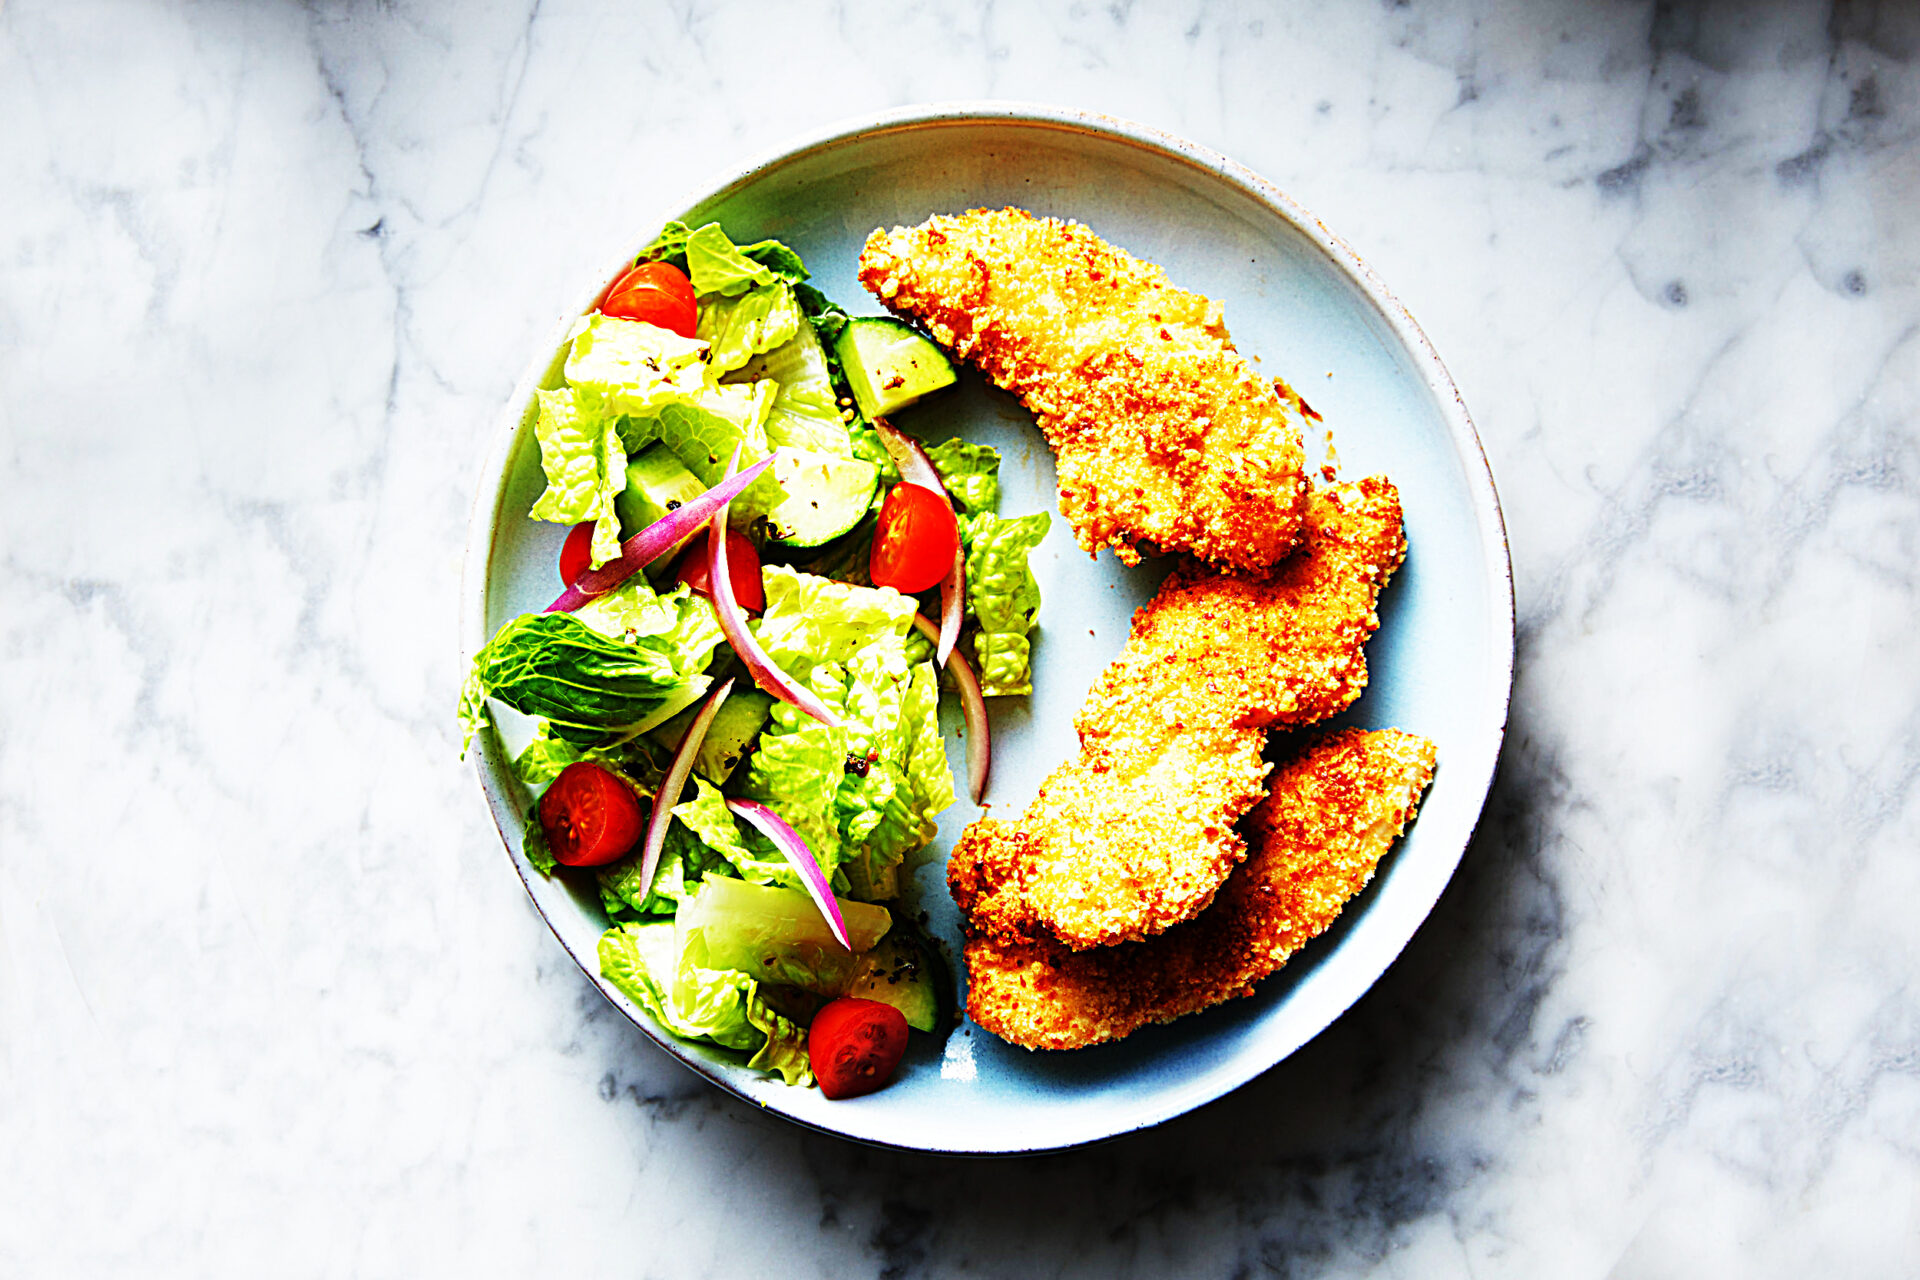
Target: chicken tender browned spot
point(1162, 432)
point(1335, 809)
point(1136, 834)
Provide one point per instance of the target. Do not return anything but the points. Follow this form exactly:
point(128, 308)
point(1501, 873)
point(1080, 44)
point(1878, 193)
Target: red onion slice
point(654, 541)
point(974, 707)
point(917, 468)
point(765, 672)
point(774, 828)
point(675, 782)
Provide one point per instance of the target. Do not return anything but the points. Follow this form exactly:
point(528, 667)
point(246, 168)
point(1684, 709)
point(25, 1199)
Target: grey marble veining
point(270, 1000)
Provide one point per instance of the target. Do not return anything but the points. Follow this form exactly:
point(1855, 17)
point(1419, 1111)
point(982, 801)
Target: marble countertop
point(271, 1001)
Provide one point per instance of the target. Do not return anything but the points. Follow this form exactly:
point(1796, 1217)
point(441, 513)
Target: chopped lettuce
point(806, 412)
point(865, 794)
point(778, 935)
point(737, 329)
point(634, 367)
point(1002, 596)
point(542, 759)
point(592, 687)
point(970, 472)
point(811, 619)
point(645, 962)
point(716, 265)
point(585, 463)
point(754, 859)
point(534, 844)
point(684, 860)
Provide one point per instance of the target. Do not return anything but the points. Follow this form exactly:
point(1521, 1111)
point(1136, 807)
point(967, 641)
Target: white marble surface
point(271, 1001)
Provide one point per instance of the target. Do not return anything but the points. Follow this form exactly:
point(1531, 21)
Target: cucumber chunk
point(889, 364)
point(657, 482)
point(899, 972)
point(826, 496)
point(729, 737)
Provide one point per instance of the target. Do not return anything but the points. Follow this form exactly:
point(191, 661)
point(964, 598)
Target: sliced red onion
point(654, 541)
point(974, 707)
point(774, 828)
point(675, 782)
point(765, 672)
point(917, 468)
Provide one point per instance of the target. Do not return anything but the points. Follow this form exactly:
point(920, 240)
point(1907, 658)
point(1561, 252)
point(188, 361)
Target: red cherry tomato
point(576, 553)
point(914, 545)
point(589, 816)
point(743, 571)
point(854, 1046)
point(656, 292)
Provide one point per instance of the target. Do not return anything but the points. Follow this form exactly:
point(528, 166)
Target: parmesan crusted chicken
point(1137, 833)
point(1161, 431)
point(1336, 807)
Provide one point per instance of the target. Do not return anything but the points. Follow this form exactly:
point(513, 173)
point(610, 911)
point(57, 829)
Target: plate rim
point(484, 522)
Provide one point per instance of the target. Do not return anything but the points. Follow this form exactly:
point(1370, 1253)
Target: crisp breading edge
point(1336, 807)
point(1136, 834)
point(1162, 432)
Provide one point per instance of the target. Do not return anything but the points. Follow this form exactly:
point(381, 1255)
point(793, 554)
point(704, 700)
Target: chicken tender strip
point(1336, 808)
point(1286, 648)
point(1117, 844)
point(1161, 431)
point(1137, 834)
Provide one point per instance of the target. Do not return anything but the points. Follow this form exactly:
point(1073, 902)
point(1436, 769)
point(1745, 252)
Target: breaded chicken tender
point(1137, 834)
point(1161, 431)
point(1336, 807)
point(1285, 648)
point(1117, 844)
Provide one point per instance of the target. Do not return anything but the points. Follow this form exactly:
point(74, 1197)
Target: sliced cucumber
point(729, 737)
point(899, 972)
point(889, 364)
point(826, 496)
point(657, 482)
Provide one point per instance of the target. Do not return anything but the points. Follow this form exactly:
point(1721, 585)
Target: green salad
point(735, 699)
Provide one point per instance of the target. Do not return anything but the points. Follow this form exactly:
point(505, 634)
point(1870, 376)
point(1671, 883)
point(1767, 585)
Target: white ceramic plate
point(1296, 297)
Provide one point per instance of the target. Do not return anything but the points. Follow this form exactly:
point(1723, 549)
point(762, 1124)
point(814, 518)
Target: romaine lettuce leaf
point(806, 413)
point(786, 1048)
point(634, 367)
point(644, 962)
point(737, 329)
point(712, 260)
point(585, 463)
point(704, 432)
point(866, 793)
point(684, 860)
point(588, 686)
point(970, 472)
point(716, 265)
point(542, 759)
point(1002, 596)
point(810, 619)
point(705, 816)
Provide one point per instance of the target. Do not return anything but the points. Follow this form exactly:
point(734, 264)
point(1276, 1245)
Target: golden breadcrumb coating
point(1282, 648)
point(1162, 432)
point(1136, 834)
point(1116, 845)
point(1336, 808)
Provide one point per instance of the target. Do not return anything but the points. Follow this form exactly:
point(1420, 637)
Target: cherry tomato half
point(576, 553)
point(854, 1046)
point(656, 292)
point(743, 571)
point(589, 816)
point(915, 542)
